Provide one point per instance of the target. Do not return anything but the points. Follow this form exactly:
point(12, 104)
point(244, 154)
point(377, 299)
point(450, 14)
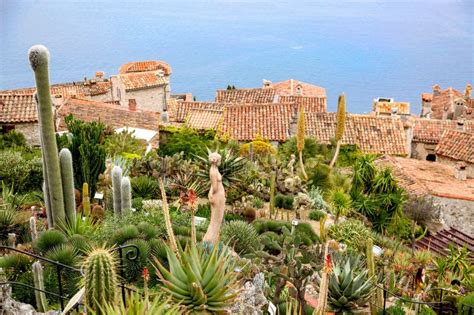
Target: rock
point(8, 306)
point(251, 300)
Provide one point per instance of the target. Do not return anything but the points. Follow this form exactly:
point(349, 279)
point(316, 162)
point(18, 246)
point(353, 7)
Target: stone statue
point(290, 164)
point(216, 199)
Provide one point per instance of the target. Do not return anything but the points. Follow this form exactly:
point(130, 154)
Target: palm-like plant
point(363, 173)
point(203, 282)
point(349, 284)
point(231, 167)
point(340, 203)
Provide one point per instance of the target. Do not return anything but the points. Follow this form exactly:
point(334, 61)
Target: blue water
point(365, 48)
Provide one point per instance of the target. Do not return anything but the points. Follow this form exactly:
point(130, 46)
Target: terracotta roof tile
point(372, 134)
point(456, 145)
point(431, 130)
point(183, 108)
point(17, 108)
point(259, 95)
point(292, 87)
point(444, 99)
point(114, 116)
point(143, 66)
point(269, 121)
point(311, 104)
point(67, 90)
point(141, 80)
point(402, 108)
point(202, 119)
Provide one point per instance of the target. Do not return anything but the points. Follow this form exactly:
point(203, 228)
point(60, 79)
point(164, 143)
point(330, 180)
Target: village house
point(117, 117)
point(388, 107)
point(442, 183)
point(456, 148)
point(143, 83)
point(19, 113)
point(447, 104)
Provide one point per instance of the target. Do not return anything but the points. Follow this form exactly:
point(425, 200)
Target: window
point(6, 128)
point(431, 157)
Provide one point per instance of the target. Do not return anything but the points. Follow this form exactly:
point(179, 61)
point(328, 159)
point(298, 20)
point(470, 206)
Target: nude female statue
point(216, 199)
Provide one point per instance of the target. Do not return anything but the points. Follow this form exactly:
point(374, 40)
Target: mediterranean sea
point(366, 48)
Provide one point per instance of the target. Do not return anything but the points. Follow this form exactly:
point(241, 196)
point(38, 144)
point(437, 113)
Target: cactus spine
point(117, 188)
point(272, 194)
point(38, 56)
point(86, 200)
point(376, 302)
point(67, 176)
point(33, 230)
point(126, 195)
point(38, 279)
point(100, 280)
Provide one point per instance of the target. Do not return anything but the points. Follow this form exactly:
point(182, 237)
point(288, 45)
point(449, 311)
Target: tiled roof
point(456, 145)
point(372, 134)
point(66, 90)
point(143, 66)
point(17, 108)
point(141, 80)
point(269, 121)
point(420, 177)
point(114, 116)
point(402, 108)
point(444, 99)
point(172, 108)
point(183, 108)
point(311, 104)
point(431, 130)
point(202, 119)
point(290, 88)
point(247, 96)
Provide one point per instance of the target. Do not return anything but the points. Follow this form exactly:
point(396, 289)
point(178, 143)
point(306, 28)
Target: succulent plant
point(204, 282)
point(86, 200)
point(67, 178)
point(126, 195)
point(41, 303)
point(39, 58)
point(241, 236)
point(117, 189)
point(349, 284)
point(100, 280)
point(49, 239)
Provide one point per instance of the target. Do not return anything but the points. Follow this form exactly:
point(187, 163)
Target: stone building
point(456, 148)
point(388, 107)
point(448, 104)
point(19, 113)
point(146, 83)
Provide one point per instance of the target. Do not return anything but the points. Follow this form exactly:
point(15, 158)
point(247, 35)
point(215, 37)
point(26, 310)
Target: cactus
point(126, 195)
point(86, 200)
point(33, 230)
point(11, 240)
point(117, 188)
point(40, 296)
point(376, 302)
point(67, 176)
point(39, 57)
point(272, 194)
point(391, 281)
point(100, 280)
point(324, 284)
point(322, 228)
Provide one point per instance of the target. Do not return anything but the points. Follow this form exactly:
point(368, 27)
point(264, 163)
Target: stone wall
point(153, 99)
point(421, 150)
point(457, 213)
point(31, 132)
point(454, 164)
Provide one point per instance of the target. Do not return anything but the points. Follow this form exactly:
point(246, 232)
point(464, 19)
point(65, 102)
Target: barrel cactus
point(100, 280)
point(39, 58)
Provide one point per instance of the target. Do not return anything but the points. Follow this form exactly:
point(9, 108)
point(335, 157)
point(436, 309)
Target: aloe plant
point(349, 284)
point(203, 282)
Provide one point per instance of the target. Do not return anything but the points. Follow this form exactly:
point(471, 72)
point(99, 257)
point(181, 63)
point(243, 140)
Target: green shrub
point(303, 230)
point(204, 211)
point(426, 310)
point(316, 215)
point(351, 232)
point(393, 310)
point(184, 140)
point(137, 203)
point(258, 203)
point(241, 236)
point(25, 174)
point(147, 230)
point(49, 239)
point(124, 234)
point(144, 187)
point(284, 201)
point(12, 139)
point(465, 301)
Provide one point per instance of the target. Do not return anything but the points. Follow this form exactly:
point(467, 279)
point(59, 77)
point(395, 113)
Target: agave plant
point(203, 282)
point(231, 166)
point(349, 284)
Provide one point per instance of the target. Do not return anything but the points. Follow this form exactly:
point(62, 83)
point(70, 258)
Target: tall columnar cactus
point(376, 301)
point(300, 139)
point(126, 195)
point(33, 230)
point(100, 279)
point(272, 194)
point(324, 285)
point(117, 188)
point(40, 296)
point(67, 176)
point(86, 200)
point(39, 57)
point(340, 126)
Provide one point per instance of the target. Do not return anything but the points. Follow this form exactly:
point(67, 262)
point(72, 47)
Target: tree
point(300, 139)
point(340, 126)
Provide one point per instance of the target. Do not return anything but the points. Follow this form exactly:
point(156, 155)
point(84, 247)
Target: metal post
point(60, 286)
point(122, 276)
point(441, 302)
point(384, 300)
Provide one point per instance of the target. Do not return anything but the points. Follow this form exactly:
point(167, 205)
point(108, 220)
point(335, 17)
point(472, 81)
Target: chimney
point(460, 171)
point(467, 92)
point(267, 83)
point(436, 90)
point(99, 75)
point(461, 126)
point(445, 113)
point(132, 104)
point(299, 90)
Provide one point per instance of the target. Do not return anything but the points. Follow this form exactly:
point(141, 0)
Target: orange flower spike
point(192, 197)
point(146, 274)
